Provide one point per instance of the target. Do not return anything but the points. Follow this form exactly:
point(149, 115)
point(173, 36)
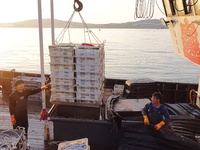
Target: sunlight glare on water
point(129, 53)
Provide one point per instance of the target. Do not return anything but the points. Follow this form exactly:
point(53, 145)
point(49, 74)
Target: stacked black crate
point(141, 88)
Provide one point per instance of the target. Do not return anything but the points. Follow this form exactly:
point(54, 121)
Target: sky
point(94, 11)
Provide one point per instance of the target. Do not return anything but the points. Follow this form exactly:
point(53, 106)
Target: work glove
point(146, 120)
point(159, 125)
point(46, 86)
point(13, 119)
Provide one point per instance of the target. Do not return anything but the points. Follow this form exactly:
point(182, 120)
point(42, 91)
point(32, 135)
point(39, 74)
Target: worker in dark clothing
point(155, 113)
point(18, 104)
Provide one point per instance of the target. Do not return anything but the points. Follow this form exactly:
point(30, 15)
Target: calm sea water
point(129, 53)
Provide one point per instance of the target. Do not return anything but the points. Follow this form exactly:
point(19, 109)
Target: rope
point(144, 9)
point(87, 30)
point(61, 35)
point(160, 8)
point(194, 29)
point(186, 5)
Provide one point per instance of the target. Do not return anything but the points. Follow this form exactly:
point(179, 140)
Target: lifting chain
point(80, 5)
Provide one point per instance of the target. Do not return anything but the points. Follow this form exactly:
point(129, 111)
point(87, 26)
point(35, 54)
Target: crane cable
point(60, 37)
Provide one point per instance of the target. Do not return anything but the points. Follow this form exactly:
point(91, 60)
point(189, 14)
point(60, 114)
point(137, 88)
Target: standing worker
point(155, 113)
point(18, 104)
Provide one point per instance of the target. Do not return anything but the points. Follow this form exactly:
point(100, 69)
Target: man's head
point(156, 97)
point(19, 85)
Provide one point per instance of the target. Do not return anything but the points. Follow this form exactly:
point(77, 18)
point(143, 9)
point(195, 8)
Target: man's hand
point(159, 125)
point(46, 86)
point(146, 120)
point(13, 119)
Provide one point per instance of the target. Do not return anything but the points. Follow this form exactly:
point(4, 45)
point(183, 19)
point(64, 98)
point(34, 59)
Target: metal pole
point(198, 95)
point(52, 23)
point(41, 52)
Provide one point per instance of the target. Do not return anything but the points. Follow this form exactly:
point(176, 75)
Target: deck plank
point(36, 126)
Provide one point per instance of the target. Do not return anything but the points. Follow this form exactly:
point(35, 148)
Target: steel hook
point(80, 5)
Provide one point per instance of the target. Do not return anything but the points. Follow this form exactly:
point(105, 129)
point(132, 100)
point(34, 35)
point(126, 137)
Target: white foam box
point(62, 81)
point(86, 60)
point(79, 144)
point(90, 90)
point(89, 52)
point(118, 89)
point(107, 93)
point(63, 100)
point(62, 96)
point(59, 50)
point(57, 67)
point(62, 88)
point(89, 68)
point(88, 96)
point(62, 74)
point(91, 76)
point(89, 83)
point(61, 60)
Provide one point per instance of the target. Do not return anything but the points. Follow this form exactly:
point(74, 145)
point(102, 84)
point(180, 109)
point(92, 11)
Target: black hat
point(158, 95)
point(17, 82)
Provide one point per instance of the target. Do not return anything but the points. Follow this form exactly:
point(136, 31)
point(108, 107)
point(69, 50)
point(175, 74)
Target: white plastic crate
point(89, 83)
point(62, 74)
point(65, 51)
point(90, 90)
point(86, 60)
point(61, 60)
point(89, 68)
point(57, 67)
point(62, 81)
point(88, 52)
point(62, 88)
point(88, 96)
point(91, 76)
point(118, 89)
point(62, 96)
point(63, 100)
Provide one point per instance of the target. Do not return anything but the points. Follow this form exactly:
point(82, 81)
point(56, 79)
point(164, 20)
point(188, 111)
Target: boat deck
point(36, 127)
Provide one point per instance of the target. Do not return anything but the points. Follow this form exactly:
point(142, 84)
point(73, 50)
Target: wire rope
point(87, 31)
point(144, 9)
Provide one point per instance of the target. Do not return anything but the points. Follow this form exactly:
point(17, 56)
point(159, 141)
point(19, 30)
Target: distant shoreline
point(142, 24)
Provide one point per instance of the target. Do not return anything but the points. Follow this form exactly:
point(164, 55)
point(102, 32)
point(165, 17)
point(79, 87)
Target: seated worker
point(155, 113)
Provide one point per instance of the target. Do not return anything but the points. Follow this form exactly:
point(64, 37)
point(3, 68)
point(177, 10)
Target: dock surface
point(36, 126)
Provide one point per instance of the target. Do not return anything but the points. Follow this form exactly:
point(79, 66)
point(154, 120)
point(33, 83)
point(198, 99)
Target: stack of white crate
point(89, 73)
point(77, 73)
point(30, 83)
point(62, 73)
